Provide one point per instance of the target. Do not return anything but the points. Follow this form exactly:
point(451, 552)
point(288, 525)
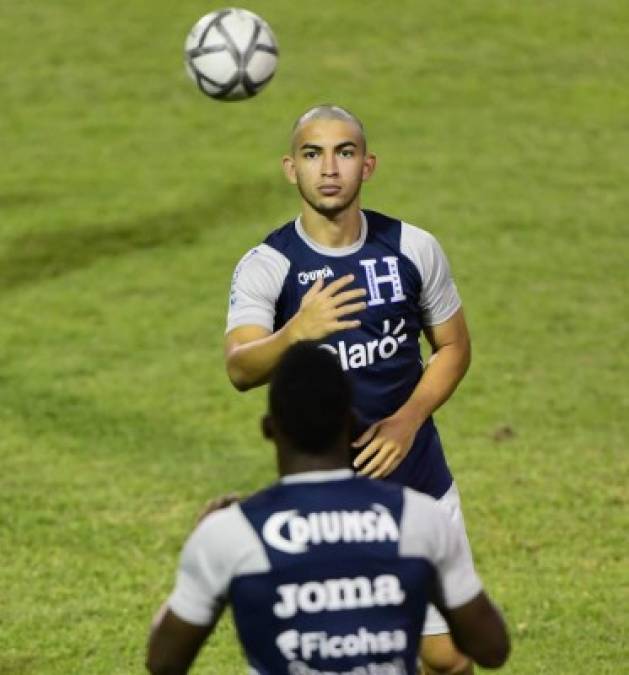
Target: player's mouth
point(329, 190)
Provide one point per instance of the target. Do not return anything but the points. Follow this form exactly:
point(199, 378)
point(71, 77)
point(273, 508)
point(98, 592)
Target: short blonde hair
point(326, 111)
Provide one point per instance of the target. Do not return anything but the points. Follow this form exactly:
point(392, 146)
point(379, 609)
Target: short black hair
point(310, 398)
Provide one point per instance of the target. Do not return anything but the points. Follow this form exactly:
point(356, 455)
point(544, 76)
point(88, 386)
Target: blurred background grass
point(126, 199)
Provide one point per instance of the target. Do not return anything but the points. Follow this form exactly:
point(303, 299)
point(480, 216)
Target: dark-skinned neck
point(290, 461)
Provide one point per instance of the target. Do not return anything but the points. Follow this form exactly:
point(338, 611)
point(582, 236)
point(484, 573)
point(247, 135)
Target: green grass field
point(126, 198)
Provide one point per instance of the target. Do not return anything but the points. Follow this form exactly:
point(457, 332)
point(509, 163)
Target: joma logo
point(333, 595)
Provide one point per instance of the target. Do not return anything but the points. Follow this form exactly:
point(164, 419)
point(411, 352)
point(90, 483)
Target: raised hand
point(323, 309)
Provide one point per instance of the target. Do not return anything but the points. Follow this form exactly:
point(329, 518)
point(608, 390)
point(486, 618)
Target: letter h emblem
point(374, 281)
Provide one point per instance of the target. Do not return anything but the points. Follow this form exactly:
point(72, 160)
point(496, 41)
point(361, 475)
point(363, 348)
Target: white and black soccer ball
point(231, 54)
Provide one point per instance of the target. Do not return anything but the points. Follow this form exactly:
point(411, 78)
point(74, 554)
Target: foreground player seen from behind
point(325, 571)
point(366, 286)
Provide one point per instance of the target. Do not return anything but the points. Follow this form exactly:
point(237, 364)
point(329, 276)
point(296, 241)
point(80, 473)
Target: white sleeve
point(200, 591)
point(439, 298)
point(256, 285)
point(426, 532)
point(221, 547)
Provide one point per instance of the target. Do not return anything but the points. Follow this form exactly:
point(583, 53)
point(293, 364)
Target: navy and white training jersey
point(409, 285)
point(327, 573)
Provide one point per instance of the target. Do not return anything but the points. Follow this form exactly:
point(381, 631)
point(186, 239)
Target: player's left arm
point(389, 440)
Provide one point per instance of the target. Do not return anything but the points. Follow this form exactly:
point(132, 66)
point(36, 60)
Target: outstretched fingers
point(324, 308)
point(383, 451)
point(352, 308)
point(368, 453)
point(348, 296)
point(335, 286)
point(344, 325)
point(314, 289)
point(364, 438)
point(389, 465)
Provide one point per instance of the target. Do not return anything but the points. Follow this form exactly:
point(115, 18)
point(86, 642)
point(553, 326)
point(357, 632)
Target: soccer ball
point(231, 54)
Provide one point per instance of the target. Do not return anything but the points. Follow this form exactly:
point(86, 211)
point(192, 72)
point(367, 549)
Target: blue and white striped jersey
point(326, 572)
point(409, 286)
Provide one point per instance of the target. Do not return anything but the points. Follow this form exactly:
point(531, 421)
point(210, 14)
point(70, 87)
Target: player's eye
point(309, 154)
point(346, 153)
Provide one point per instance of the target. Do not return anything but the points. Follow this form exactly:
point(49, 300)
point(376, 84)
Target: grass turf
point(126, 200)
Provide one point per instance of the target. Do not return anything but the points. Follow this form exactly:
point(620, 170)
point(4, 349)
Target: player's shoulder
point(226, 537)
point(260, 261)
point(408, 235)
point(421, 247)
point(416, 238)
point(262, 499)
point(219, 521)
point(282, 238)
point(381, 221)
point(382, 229)
point(214, 527)
point(277, 495)
point(271, 257)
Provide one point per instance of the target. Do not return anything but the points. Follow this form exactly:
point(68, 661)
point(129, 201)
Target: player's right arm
point(478, 630)
point(251, 352)
point(252, 349)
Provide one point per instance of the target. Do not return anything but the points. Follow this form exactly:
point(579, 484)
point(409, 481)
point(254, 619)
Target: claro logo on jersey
point(308, 277)
point(290, 532)
point(362, 354)
point(333, 595)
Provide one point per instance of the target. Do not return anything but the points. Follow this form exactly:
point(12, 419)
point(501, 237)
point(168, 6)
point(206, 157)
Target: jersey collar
point(328, 250)
point(317, 476)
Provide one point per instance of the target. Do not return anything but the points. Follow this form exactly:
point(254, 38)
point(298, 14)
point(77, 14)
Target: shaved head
point(327, 112)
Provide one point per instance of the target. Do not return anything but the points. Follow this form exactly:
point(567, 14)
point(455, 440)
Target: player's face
point(329, 164)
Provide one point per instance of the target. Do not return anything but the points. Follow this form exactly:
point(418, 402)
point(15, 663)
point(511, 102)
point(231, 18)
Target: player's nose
point(329, 165)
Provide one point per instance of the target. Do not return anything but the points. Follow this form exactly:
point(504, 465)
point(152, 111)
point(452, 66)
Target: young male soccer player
point(326, 571)
point(365, 285)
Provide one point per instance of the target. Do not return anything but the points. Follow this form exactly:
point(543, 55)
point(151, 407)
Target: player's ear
point(288, 164)
point(267, 427)
point(369, 165)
